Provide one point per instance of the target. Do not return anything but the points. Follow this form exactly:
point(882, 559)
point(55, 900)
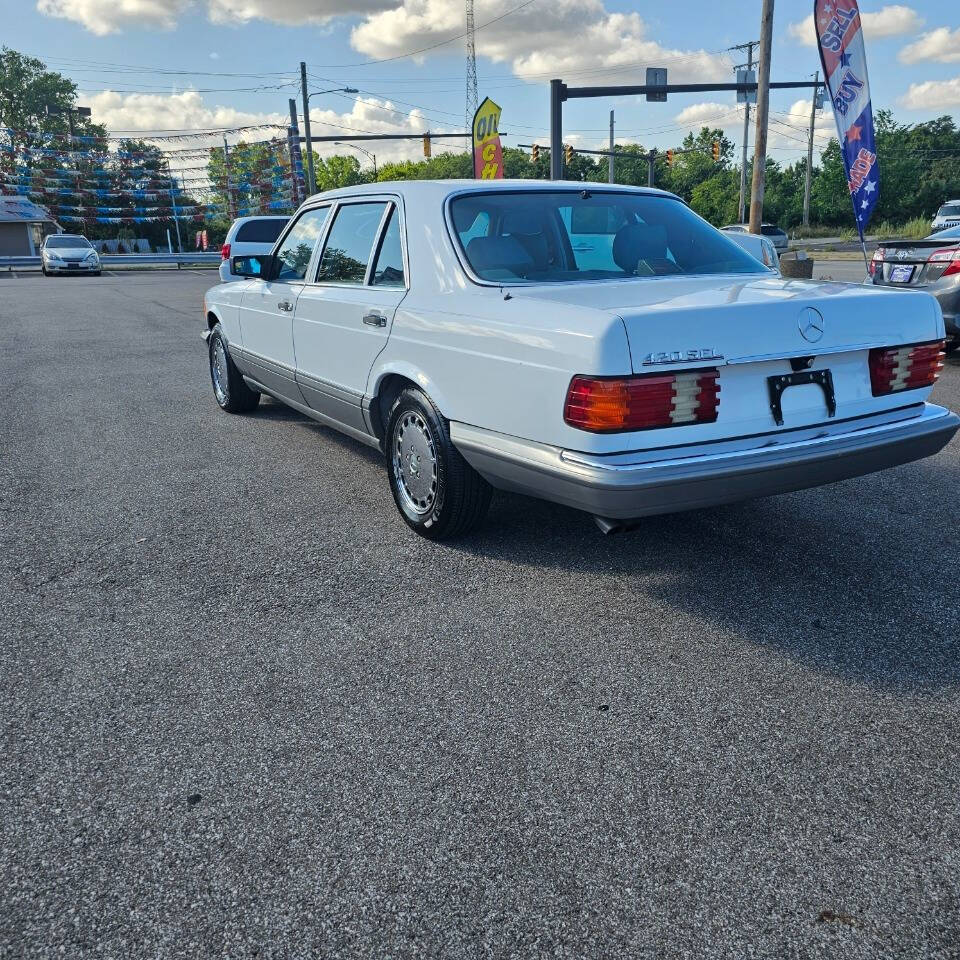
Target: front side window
point(295, 251)
point(545, 236)
point(350, 243)
point(388, 267)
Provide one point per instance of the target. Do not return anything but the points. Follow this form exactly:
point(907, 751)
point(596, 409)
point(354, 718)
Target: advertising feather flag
point(844, 59)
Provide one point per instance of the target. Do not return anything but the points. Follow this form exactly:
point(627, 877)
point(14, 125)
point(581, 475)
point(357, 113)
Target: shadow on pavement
point(858, 579)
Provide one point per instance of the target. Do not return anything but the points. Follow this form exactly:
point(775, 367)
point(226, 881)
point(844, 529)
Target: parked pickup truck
point(453, 326)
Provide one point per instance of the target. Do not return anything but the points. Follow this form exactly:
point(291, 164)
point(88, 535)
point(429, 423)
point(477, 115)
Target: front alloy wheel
point(229, 387)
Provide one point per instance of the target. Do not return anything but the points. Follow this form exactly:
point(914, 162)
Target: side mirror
point(256, 267)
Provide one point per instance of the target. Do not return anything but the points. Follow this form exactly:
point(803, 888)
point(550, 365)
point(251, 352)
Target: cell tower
point(471, 66)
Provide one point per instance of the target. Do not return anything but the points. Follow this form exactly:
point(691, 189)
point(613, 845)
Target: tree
point(338, 171)
point(27, 88)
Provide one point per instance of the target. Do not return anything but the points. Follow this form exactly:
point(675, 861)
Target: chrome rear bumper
point(631, 485)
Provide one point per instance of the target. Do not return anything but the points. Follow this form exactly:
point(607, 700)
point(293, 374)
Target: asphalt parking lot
point(247, 713)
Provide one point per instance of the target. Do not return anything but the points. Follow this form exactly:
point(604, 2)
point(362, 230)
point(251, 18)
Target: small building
point(23, 225)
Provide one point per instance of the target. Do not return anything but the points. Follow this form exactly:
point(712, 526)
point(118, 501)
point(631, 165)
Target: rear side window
point(388, 267)
point(350, 243)
point(295, 252)
point(260, 231)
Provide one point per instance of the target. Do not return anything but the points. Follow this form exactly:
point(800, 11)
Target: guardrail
point(108, 260)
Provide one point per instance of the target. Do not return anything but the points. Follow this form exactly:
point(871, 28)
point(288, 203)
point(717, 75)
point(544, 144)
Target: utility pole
point(311, 182)
point(741, 208)
point(176, 216)
point(231, 200)
point(651, 168)
point(809, 176)
point(763, 117)
point(610, 176)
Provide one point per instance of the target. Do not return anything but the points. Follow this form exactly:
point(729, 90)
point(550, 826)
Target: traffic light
point(568, 154)
point(426, 144)
point(669, 158)
point(534, 153)
point(716, 151)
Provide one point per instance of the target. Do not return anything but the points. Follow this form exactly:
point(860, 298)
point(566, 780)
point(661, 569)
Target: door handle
point(284, 305)
point(375, 320)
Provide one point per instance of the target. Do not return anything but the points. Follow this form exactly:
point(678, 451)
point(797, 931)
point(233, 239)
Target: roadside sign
point(746, 76)
point(656, 77)
point(487, 151)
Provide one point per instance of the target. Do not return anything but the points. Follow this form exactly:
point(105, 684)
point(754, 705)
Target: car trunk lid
point(907, 263)
point(758, 332)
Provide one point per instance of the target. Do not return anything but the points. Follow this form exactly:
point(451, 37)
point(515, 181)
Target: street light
point(70, 112)
point(311, 180)
point(372, 156)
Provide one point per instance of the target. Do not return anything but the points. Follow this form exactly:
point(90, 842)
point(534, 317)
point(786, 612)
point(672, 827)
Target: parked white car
point(778, 237)
point(68, 253)
point(760, 248)
point(947, 216)
point(249, 236)
point(454, 326)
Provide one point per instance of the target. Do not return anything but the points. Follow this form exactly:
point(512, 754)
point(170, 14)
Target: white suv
point(947, 216)
point(248, 237)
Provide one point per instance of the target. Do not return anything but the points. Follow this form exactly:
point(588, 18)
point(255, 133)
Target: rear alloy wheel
point(438, 493)
point(229, 387)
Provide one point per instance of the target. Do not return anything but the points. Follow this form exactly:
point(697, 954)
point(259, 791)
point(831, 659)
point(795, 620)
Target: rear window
point(260, 231)
point(769, 230)
point(564, 235)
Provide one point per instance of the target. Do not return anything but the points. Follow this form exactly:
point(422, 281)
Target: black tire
point(229, 388)
point(952, 346)
point(453, 499)
point(98, 273)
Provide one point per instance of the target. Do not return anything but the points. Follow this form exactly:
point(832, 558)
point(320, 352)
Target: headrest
point(520, 221)
point(498, 253)
point(638, 241)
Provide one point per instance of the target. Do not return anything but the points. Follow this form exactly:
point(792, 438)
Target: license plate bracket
point(776, 386)
point(901, 273)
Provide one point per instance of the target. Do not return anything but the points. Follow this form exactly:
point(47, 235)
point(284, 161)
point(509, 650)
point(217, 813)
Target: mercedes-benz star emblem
point(811, 324)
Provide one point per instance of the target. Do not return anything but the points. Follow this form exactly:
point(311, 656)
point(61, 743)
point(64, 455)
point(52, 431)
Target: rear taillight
point(876, 261)
point(225, 252)
point(906, 368)
point(608, 404)
point(950, 257)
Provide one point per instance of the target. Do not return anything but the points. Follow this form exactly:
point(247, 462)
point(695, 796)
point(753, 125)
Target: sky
point(152, 65)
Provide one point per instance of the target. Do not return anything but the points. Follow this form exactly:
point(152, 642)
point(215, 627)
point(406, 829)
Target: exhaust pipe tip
point(608, 527)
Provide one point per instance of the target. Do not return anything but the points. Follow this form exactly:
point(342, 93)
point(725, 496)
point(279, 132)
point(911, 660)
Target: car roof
point(439, 190)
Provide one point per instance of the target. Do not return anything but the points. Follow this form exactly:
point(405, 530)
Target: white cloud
point(932, 95)
point(147, 113)
point(290, 12)
point(110, 16)
point(893, 20)
point(941, 45)
point(558, 39)
point(788, 129)
point(726, 116)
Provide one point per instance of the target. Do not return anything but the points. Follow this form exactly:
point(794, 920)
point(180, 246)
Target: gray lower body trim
point(624, 487)
point(278, 378)
point(308, 411)
point(339, 404)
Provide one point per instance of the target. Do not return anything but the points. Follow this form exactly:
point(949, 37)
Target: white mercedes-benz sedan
point(599, 346)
